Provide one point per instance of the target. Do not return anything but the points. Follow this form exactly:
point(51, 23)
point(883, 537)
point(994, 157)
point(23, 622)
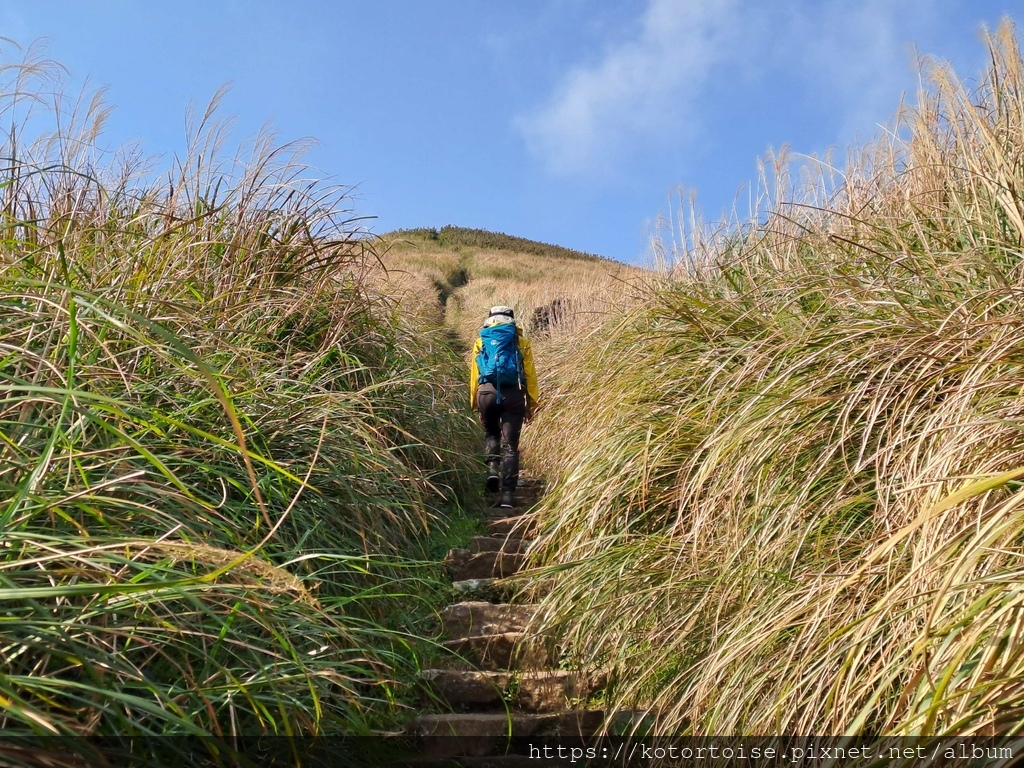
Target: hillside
point(453, 275)
point(779, 485)
point(463, 237)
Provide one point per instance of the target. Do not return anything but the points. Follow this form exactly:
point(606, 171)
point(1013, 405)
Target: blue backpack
point(500, 362)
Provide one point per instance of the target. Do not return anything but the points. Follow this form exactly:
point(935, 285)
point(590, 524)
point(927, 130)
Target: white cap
point(500, 314)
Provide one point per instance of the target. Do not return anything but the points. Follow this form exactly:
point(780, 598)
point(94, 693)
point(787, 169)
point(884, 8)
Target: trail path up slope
point(508, 693)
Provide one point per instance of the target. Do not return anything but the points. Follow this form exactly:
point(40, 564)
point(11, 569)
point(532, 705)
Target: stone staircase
point(508, 698)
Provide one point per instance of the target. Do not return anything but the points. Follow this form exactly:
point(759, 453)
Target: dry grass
point(574, 293)
point(788, 489)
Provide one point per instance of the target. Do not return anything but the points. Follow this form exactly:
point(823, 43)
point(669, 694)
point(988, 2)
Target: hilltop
point(451, 276)
point(455, 237)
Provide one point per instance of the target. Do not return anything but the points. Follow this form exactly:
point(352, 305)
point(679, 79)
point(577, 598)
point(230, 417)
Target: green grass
point(224, 455)
point(456, 238)
point(784, 498)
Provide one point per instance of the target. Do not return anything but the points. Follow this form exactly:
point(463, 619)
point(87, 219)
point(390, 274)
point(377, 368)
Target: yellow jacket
point(532, 390)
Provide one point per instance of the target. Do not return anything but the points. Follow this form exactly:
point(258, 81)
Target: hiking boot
point(493, 480)
point(508, 500)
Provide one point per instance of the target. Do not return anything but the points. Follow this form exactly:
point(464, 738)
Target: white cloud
point(640, 87)
point(851, 55)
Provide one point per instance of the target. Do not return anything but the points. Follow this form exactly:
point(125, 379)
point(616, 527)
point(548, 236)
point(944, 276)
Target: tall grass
point(218, 443)
point(788, 493)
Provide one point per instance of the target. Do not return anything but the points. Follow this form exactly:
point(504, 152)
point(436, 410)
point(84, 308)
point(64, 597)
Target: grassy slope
point(789, 480)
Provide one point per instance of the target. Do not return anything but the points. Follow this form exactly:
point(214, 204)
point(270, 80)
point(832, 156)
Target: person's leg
point(513, 413)
point(490, 417)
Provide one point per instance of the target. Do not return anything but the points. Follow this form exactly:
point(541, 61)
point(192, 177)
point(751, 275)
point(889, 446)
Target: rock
point(498, 544)
point(511, 650)
point(467, 686)
point(481, 618)
point(463, 564)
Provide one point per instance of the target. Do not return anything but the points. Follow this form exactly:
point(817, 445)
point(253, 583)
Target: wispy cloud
point(850, 55)
point(640, 88)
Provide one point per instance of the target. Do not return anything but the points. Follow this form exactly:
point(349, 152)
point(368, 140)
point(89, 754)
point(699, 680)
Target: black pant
point(502, 424)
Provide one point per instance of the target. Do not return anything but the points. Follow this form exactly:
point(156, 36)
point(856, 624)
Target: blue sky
point(567, 121)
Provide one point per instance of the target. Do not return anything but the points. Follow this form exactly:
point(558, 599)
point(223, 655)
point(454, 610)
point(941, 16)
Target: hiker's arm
point(532, 389)
point(474, 375)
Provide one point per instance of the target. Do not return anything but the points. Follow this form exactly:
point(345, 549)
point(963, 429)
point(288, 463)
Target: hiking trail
point(504, 684)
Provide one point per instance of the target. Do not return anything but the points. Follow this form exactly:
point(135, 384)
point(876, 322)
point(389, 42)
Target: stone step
point(537, 691)
point(505, 651)
point(523, 504)
point(524, 760)
point(476, 617)
point(513, 525)
point(488, 590)
point(531, 492)
point(481, 590)
point(515, 546)
point(467, 686)
point(504, 761)
point(525, 493)
point(483, 734)
point(530, 489)
point(464, 564)
point(512, 590)
point(549, 690)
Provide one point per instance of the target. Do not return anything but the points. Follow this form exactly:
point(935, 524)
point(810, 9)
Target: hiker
point(503, 390)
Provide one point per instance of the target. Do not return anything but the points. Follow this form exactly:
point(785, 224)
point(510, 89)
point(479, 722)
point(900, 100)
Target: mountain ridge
point(452, 236)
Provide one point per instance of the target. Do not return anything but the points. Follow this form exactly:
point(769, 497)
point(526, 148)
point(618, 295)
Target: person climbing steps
point(503, 390)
